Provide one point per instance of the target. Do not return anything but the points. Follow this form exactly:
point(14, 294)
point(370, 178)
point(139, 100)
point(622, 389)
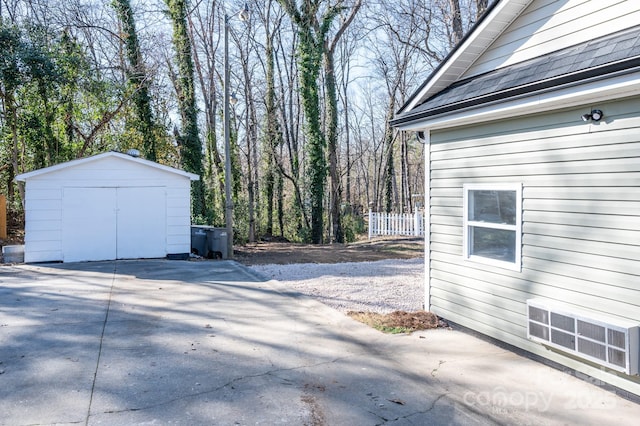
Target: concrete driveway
point(173, 342)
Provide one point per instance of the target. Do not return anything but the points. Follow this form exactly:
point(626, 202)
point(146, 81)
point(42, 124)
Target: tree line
point(316, 82)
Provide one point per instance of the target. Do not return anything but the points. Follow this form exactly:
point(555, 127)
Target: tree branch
point(343, 27)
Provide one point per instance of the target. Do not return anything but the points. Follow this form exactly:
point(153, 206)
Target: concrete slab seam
point(104, 326)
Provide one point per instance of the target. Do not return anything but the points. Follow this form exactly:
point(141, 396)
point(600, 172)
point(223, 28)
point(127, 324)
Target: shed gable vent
point(607, 342)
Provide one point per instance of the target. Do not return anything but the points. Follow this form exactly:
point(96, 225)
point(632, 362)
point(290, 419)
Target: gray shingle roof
point(585, 60)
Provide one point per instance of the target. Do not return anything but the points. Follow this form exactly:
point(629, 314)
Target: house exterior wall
point(44, 202)
point(546, 26)
point(581, 222)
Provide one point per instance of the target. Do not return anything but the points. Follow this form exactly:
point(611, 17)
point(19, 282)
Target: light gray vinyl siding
point(581, 218)
point(546, 26)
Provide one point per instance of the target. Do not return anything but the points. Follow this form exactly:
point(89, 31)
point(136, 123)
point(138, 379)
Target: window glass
point(493, 206)
point(497, 244)
point(492, 231)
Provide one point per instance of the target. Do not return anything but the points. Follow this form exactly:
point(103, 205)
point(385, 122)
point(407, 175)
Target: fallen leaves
point(398, 321)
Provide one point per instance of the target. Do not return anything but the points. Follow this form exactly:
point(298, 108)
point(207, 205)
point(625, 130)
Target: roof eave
point(597, 89)
point(24, 176)
point(498, 16)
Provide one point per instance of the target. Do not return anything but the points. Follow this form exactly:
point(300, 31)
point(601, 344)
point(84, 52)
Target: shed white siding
point(581, 221)
point(45, 207)
point(545, 27)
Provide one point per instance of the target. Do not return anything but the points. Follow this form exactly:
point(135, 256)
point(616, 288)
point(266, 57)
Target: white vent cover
point(607, 342)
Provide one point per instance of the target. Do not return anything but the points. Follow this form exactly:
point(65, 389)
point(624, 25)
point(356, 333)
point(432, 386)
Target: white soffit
point(500, 17)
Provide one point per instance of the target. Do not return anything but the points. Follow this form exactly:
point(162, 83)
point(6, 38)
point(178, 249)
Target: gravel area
point(383, 286)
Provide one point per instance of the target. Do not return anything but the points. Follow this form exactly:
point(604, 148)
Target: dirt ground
point(399, 321)
point(266, 253)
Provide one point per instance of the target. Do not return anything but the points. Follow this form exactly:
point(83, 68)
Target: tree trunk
point(388, 180)
point(481, 6)
point(12, 118)
point(456, 22)
point(389, 167)
point(191, 149)
point(309, 67)
point(137, 77)
point(205, 71)
point(289, 131)
point(252, 136)
point(331, 106)
point(332, 146)
point(312, 32)
point(404, 183)
point(273, 134)
point(347, 141)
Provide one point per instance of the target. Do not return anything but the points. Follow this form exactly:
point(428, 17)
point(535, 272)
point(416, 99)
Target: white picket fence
point(396, 224)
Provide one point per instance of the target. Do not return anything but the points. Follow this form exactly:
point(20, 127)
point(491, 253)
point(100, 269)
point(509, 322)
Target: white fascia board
point(588, 93)
point(24, 176)
point(191, 176)
point(503, 14)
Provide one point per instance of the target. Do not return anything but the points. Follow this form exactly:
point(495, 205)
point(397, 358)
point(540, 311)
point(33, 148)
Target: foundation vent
point(608, 342)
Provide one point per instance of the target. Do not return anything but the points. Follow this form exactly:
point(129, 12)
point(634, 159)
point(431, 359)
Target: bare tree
point(271, 17)
point(318, 83)
point(203, 31)
point(331, 111)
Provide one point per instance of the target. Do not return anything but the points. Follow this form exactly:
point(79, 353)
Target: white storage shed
point(109, 206)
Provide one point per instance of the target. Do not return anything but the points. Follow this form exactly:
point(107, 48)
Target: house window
point(493, 224)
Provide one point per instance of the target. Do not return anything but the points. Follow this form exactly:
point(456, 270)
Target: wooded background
point(316, 83)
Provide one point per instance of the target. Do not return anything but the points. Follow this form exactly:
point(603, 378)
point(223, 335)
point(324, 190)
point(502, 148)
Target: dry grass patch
point(398, 321)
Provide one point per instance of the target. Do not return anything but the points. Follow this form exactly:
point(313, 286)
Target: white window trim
point(517, 187)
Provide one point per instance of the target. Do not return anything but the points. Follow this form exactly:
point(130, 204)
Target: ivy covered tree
point(138, 79)
point(189, 139)
point(308, 132)
point(313, 22)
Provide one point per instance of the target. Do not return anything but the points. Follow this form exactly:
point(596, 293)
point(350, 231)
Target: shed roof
point(24, 176)
point(606, 56)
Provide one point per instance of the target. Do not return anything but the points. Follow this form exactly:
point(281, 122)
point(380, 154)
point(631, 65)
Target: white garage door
point(113, 223)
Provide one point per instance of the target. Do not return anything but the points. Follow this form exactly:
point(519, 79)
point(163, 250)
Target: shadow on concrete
point(128, 342)
point(170, 342)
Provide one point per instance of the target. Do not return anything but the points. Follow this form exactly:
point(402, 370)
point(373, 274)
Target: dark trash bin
point(199, 240)
point(217, 243)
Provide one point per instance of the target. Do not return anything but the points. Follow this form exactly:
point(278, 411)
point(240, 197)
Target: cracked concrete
point(171, 342)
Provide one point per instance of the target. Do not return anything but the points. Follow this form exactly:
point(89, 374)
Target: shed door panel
point(113, 223)
point(141, 223)
point(89, 224)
